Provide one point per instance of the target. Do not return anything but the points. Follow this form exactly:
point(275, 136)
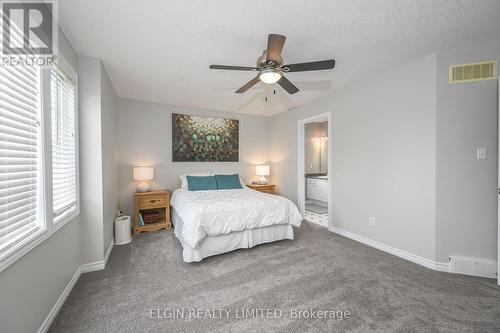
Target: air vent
point(473, 72)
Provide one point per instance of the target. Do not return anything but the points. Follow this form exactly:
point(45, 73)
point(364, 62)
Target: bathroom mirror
point(316, 147)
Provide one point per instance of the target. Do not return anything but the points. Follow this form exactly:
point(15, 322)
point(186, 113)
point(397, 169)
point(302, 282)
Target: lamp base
point(143, 187)
point(262, 180)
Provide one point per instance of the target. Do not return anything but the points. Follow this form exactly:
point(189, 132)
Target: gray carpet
point(317, 209)
point(319, 270)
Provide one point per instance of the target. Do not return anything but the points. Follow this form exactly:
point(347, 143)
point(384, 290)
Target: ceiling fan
point(271, 67)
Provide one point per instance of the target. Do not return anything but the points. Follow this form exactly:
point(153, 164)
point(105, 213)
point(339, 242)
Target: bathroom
point(316, 172)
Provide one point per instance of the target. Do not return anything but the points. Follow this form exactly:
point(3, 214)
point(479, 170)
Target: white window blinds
point(64, 149)
point(20, 156)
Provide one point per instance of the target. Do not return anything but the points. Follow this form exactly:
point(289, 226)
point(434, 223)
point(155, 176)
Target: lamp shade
point(262, 170)
point(143, 173)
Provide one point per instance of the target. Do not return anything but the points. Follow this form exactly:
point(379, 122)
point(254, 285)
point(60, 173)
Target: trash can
point(122, 230)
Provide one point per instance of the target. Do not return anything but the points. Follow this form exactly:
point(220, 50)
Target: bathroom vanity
point(317, 187)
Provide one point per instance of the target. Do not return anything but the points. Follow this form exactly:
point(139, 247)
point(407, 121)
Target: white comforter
point(220, 212)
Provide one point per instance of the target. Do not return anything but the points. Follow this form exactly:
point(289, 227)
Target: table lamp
point(262, 171)
point(143, 174)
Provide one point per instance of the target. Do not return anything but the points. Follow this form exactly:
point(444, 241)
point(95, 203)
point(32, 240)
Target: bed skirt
point(213, 245)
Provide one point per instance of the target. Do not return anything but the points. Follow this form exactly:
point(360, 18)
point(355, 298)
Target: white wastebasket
point(122, 230)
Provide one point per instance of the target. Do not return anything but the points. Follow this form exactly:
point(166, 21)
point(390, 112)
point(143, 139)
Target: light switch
point(481, 153)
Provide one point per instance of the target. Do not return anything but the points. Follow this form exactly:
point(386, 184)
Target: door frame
point(498, 186)
point(301, 172)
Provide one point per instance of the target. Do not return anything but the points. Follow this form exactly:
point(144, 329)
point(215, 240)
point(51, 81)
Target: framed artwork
point(204, 139)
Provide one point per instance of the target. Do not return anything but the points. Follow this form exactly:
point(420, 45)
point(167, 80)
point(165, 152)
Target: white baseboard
point(95, 266)
point(60, 301)
point(92, 267)
point(437, 266)
point(101, 264)
point(108, 251)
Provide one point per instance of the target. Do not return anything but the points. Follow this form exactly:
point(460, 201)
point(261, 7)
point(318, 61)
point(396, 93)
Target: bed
point(218, 221)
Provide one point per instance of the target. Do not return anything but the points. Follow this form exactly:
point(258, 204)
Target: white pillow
point(231, 173)
point(184, 183)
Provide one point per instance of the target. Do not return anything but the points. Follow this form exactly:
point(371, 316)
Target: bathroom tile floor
point(321, 219)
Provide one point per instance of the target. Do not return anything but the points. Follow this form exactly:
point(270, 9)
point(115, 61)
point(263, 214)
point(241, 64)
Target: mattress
point(213, 245)
point(221, 212)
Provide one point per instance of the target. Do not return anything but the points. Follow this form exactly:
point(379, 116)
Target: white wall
point(31, 286)
point(467, 118)
point(110, 158)
point(384, 161)
point(91, 194)
point(98, 158)
point(146, 138)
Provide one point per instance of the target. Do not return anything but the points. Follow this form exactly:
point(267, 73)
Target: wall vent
point(473, 266)
point(478, 71)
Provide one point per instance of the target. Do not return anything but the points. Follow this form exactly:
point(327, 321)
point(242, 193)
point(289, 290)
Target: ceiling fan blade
point(274, 47)
point(311, 66)
point(233, 68)
point(287, 85)
point(248, 85)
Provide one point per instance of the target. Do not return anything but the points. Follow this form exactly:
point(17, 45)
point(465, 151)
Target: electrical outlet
point(372, 220)
point(481, 153)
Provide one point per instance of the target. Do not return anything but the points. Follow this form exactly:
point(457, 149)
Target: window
point(20, 157)
point(64, 150)
point(38, 155)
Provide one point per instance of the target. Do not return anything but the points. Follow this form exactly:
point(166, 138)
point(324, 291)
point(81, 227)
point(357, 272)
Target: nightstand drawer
point(269, 190)
point(152, 201)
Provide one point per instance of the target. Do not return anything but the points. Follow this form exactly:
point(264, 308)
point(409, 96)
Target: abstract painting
point(204, 139)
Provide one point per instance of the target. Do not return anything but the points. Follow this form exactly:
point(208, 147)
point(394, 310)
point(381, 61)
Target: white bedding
point(219, 212)
point(213, 245)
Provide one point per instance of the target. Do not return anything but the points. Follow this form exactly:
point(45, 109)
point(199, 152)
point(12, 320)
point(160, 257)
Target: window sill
point(70, 217)
point(23, 248)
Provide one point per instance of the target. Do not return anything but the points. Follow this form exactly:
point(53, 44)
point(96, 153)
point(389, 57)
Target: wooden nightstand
point(154, 201)
point(267, 188)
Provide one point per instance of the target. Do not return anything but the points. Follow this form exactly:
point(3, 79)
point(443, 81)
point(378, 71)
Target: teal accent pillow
point(228, 182)
point(201, 183)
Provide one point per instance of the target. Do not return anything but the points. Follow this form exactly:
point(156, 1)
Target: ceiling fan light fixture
point(271, 67)
point(269, 76)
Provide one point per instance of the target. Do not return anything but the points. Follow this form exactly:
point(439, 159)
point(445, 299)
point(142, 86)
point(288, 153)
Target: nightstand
point(267, 188)
point(154, 202)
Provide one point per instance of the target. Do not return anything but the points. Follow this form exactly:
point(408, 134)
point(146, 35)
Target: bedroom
point(412, 230)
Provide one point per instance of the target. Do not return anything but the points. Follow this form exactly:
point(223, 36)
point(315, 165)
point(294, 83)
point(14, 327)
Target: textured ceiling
point(160, 51)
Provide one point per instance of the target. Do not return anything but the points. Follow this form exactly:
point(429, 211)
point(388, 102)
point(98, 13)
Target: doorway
point(314, 168)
